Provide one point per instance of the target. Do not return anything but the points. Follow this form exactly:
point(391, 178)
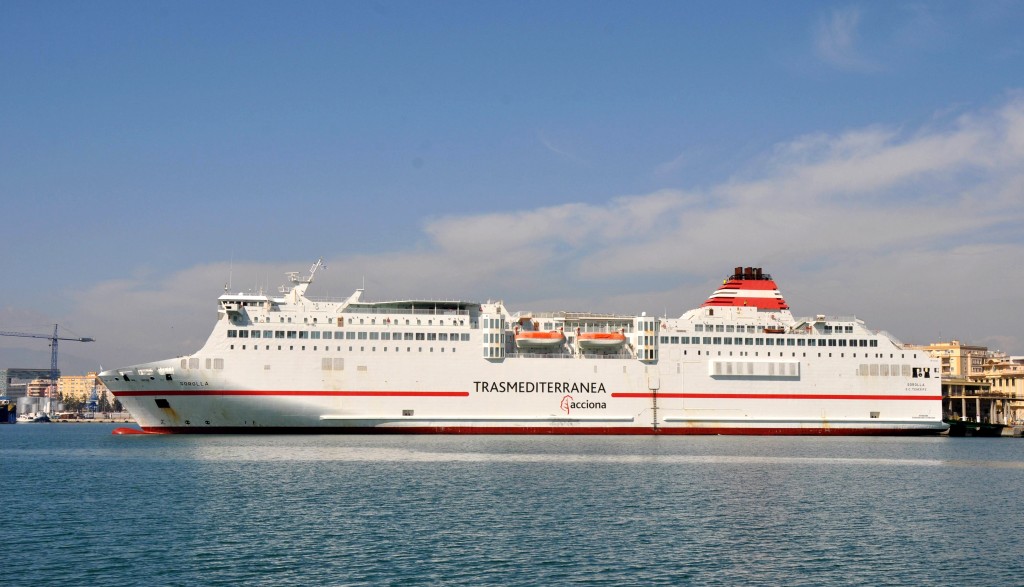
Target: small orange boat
point(601, 340)
point(535, 339)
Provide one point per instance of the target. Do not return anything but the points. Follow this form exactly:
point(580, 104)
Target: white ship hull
point(472, 380)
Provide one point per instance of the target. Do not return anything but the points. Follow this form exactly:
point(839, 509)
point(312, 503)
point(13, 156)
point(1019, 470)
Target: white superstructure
point(739, 364)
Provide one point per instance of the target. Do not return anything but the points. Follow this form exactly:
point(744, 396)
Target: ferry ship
point(741, 363)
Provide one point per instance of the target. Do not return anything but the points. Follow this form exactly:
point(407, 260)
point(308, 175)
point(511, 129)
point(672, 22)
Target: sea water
point(83, 507)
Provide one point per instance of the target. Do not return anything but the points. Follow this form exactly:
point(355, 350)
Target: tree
point(104, 405)
point(72, 403)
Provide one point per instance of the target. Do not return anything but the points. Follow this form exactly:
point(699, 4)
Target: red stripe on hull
point(549, 430)
point(252, 392)
point(244, 392)
point(775, 396)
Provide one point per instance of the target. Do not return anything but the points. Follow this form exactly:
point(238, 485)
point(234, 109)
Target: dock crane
point(53, 353)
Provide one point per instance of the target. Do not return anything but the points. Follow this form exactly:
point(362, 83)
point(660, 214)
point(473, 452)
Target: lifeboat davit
point(533, 339)
point(601, 340)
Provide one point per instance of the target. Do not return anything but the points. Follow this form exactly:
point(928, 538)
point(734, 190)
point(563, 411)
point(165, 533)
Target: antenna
point(312, 271)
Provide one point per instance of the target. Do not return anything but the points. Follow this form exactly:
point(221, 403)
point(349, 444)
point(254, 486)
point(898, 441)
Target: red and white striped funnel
point(748, 287)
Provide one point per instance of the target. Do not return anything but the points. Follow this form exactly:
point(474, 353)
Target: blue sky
point(574, 155)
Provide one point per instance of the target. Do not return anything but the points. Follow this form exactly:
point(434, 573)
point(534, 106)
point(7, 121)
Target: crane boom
point(49, 336)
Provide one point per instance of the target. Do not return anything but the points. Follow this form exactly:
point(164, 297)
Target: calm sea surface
point(83, 507)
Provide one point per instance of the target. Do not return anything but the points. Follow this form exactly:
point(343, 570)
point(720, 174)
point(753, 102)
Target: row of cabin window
point(326, 348)
point(430, 321)
point(193, 363)
point(753, 329)
point(853, 342)
point(348, 335)
point(585, 327)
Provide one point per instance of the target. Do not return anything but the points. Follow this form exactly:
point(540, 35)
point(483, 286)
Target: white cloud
point(835, 41)
point(916, 231)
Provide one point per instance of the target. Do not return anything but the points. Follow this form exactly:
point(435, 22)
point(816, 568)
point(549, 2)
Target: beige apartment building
point(958, 360)
point(979, 384)
point(38, 388)
point(1005, 377)
point(78, 386)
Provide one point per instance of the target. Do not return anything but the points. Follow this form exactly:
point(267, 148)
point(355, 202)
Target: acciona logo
point(568, 405)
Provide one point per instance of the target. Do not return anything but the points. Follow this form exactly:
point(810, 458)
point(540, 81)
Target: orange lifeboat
point(534, 339)
point(601, 340)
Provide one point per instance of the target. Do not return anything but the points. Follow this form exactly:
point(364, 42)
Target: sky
point(581, 156)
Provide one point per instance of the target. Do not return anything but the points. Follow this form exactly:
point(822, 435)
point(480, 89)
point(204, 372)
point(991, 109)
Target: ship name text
point(539, 387)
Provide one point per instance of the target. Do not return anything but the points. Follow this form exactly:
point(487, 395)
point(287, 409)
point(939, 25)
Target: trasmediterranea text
point(539, 387)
